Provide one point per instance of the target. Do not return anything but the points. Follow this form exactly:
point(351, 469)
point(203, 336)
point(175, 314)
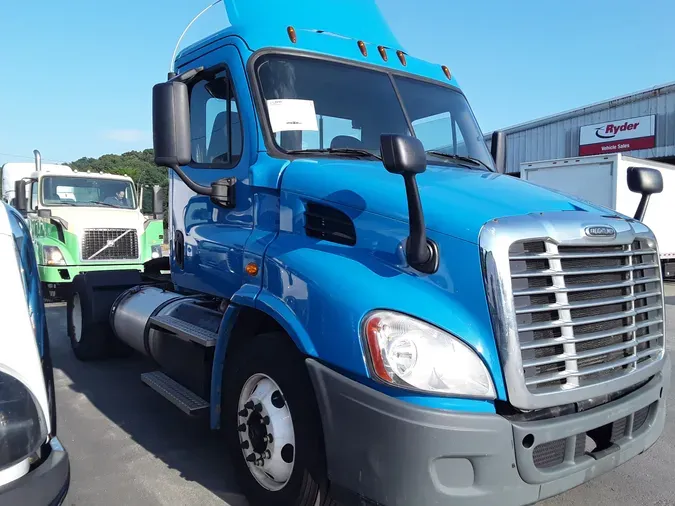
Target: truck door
point(208, 240)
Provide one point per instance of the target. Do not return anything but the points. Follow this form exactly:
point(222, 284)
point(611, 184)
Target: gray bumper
point(46, 485)
point(393, 453)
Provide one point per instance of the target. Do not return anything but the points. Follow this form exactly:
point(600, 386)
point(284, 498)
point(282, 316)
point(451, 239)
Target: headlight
point(408, 353)
point(53, 255)
point(156, 250)
point(22, 428)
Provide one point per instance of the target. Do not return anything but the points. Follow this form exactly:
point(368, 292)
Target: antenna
point(175, 51)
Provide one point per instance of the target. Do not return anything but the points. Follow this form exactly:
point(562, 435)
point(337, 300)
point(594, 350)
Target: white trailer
point(602, 180)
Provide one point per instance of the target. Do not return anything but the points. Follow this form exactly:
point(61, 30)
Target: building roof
point(605, 104)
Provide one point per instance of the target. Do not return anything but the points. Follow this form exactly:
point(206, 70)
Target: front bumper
point(46, 485)
point(392, 453)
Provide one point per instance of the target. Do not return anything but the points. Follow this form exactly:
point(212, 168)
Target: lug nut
point(269, 438)
point(244, 445)
point(258, 407)
point(249, 405)
point(251, 458)
point(242, 428)
point(268, 454)
point(243, 412)
point(266, 420)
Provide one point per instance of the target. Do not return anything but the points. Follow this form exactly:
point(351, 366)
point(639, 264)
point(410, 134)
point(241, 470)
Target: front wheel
point(273, 426)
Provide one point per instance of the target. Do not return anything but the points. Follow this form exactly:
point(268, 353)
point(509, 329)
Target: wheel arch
point(247, 316)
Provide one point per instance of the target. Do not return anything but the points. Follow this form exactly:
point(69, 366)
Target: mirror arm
point(418, 251)
point(642, 207)
point(195, 187)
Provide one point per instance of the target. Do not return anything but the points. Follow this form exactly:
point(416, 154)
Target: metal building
point(641, 124)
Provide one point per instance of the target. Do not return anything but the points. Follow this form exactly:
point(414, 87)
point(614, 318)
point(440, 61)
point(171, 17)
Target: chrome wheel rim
point(77, 318)
point(266, 433)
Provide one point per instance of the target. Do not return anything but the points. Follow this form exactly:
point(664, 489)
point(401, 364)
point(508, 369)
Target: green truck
point(83, 221)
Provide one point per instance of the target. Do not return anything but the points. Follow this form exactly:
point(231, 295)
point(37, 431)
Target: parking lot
point(129, 446)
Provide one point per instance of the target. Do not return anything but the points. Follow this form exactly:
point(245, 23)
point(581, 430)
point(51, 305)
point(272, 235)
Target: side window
point(34, 196)
point(215, 123)
point(440, 133)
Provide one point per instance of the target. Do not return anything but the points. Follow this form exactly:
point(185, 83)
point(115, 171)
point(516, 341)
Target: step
point(185, 330)
point(184, 399)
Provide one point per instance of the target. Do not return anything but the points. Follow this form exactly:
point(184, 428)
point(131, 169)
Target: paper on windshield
point(292, 114)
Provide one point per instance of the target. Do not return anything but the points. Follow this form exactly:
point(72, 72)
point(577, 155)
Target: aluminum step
point(184, 399)
point(184, 330)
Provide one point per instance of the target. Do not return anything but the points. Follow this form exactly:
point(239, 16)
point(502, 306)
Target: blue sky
point(77, 75)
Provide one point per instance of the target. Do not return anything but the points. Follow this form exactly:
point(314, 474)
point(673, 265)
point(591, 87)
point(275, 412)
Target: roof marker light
point(447, 72)
point(401, 56)
point(292, 35)
point(363, 48)
point(383, 52)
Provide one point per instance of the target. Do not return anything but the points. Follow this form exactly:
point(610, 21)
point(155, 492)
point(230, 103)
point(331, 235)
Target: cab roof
point(326, 27)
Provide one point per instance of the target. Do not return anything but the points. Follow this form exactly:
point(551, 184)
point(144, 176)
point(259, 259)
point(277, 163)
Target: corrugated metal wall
point(558, 136)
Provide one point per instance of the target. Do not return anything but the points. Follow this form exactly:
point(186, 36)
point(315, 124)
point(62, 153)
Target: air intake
point(329, 224)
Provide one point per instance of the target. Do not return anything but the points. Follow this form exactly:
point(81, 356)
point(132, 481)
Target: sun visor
point(356, 19)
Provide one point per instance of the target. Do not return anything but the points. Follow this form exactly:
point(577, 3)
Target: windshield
point(316, 104)
point(87, 192)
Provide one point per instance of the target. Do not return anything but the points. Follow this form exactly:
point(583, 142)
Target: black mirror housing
point(171, 124)
point(20, 200)
point(157, 201)
point(403, 154)
point(498, 150)
point(644, 180)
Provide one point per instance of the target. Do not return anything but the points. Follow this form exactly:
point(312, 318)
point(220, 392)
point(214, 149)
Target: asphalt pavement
point(128, 446)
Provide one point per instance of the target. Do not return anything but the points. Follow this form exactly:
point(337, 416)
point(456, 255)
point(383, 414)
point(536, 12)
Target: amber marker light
point(383, 52)
point(401, 57)
point(292, 35)
point(363, 48)
point(252, 269)
point(447, 72)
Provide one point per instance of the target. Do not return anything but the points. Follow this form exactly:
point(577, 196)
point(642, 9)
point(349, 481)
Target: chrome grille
point(585, 314)
point(109, 244)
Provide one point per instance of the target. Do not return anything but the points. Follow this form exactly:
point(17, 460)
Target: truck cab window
point(215, 122)
point(442, 119)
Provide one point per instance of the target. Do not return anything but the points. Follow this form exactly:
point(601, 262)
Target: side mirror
point(646, 182)
point(405, 155)
point(20, 199)
point(171, 124)
point(157, 202)
point(44, 213)
point(498, 150)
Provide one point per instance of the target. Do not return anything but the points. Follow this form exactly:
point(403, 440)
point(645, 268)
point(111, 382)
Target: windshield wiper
point(104, 204)
point(338, 151)
point(466, 159)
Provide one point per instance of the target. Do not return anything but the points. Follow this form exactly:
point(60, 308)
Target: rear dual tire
point(89, 339)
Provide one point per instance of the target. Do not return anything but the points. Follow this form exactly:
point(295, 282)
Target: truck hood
point(456, 201)
point(82, 218)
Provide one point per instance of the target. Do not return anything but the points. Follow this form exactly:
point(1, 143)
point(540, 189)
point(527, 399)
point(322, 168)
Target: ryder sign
point(622, 135)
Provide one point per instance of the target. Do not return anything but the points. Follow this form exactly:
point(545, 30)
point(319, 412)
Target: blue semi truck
point(360, 300)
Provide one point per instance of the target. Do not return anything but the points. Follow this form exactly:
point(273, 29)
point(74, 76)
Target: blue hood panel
point(456, 201)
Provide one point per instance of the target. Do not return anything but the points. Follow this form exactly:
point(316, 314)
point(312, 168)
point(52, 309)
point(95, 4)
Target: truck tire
point(89, 340)
point(267, 392)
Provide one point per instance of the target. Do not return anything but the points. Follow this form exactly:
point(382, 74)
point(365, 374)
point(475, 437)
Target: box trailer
point(602, 180)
